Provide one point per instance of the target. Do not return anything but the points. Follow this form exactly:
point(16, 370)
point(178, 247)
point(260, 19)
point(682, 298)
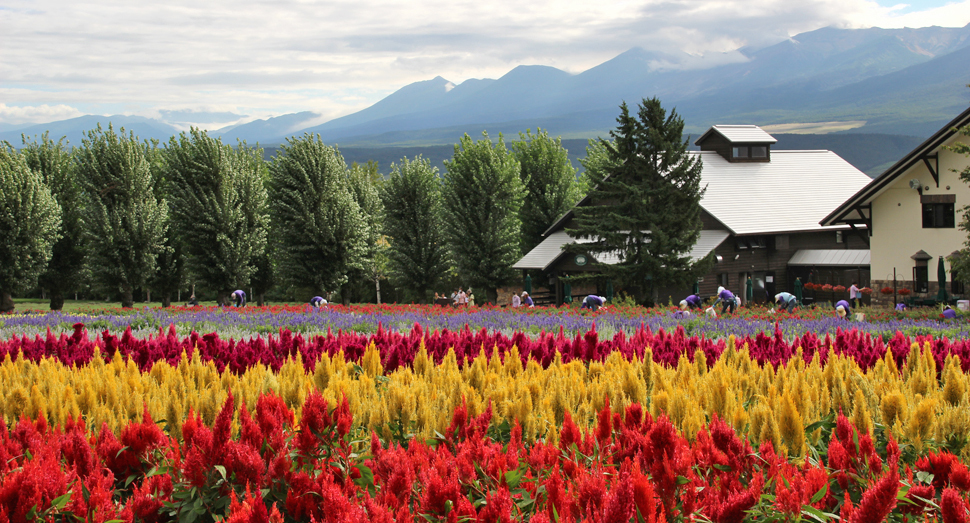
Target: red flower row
point(629, 467)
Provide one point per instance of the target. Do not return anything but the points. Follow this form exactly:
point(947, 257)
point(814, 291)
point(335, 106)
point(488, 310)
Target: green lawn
point(36, 304)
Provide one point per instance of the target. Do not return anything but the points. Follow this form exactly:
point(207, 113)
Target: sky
point(216, 62)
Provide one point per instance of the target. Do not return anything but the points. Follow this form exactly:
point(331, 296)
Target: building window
point(956, 286)
point(939, 215)
point(921, 278)
point(759, 151)
point(723, 277)
point(740, 152)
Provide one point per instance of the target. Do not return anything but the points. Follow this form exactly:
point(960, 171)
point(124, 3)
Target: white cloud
point(337, 56)
point(36, 113)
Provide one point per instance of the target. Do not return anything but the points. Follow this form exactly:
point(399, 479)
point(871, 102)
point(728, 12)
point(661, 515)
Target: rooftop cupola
point(738, 143)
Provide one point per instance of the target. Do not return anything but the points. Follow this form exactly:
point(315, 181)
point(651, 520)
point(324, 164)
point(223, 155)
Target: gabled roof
point(884, 180)
point(550, 250)
point(791, 193)
point(738, 134)
point(831, 257)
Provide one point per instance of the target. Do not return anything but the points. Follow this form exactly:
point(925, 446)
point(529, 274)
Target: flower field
point(652, 423)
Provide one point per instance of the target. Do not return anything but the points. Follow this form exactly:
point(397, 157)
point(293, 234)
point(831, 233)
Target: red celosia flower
point(878, 501)
point(915, 497)
point(952, 507)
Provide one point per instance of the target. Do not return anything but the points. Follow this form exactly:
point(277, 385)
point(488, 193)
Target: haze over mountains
point(890, 81)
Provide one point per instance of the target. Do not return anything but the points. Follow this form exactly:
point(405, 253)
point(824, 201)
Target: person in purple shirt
point(593, 302)
point(527, 300)
point(842, 308)
point(948, 313)
point(238, 298)
point(726, 296)
point(317, 301)
point(691, 302)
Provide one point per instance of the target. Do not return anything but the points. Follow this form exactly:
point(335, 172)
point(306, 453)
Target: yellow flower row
point(762, 402)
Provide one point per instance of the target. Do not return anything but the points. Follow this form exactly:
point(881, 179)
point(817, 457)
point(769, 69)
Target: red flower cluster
point(628, 467)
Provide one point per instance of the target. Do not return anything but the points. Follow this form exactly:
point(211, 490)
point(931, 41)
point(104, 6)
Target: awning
point(831, 257)
point(547, 252)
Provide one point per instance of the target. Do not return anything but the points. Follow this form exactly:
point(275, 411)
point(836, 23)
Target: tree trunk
point(377, 281)
point(491, 294)
point(654, 294)
point(6, 302)
point(222, 297)
point(166, 300)
point(261, 299)
point(57, 300)
point(127, 298)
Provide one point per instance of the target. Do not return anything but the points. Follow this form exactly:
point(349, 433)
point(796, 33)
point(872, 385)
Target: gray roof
point(547, 252)
point(791, 193)
point(739, 134)
point(841, 257)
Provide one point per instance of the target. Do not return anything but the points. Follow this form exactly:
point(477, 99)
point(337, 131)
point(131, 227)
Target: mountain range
point(890, 81)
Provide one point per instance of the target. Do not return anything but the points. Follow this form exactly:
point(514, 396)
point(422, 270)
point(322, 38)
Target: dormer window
point(738, 143)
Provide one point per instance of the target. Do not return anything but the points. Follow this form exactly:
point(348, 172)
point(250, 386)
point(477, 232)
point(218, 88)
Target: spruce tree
point(219, 208)
point(550, 183)
point(29, 225)
point(125, 221)
point(319, 231)
point(483, 194)
point(52, 161)
point(645, 206)
point(412, 210)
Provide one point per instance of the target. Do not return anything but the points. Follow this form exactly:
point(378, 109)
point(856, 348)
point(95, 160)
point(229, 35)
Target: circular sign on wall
point(581, 259)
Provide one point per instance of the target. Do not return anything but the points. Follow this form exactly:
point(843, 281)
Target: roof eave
point(897, 169)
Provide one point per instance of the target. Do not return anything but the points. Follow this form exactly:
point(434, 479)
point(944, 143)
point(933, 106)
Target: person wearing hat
point(238, 298)
point(786, 301)
point(527, 300)
point(317, 302)
point(948, 313)
point(726, 296)
point(192, 301)
point(593, 302)
point(691, 302)
point(842, 308)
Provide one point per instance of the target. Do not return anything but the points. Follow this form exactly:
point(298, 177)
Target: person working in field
point(317, 301)
point(593, 302)
point(527, 300)
point(691, 302)
point(728, 298)
point(238, 298)
point(786, 301)
point(843, 309)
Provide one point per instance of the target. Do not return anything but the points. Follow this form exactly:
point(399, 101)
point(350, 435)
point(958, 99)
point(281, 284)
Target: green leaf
point(723, 468)
point(513, 477)
point(820, 494)
point(681, 480)
point(61, 501)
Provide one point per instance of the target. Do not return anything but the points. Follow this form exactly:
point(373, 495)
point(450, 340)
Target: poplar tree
point(483, 194)
point(645, 204)
point(219, 208)
point(29, 225)
point(52, 161)
point(363, 182)
point(319, 231)
point(412, 214)
point(551, 188)
point(125, 221)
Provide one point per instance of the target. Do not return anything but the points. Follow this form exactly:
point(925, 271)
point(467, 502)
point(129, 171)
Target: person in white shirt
point(855, 295)
point(516, 301)
point(462, 298)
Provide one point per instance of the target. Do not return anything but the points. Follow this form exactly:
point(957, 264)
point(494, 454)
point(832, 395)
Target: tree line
point(121, 216)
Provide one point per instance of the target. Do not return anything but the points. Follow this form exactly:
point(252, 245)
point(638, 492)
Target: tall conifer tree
point(483, 195)
point(645, 204)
